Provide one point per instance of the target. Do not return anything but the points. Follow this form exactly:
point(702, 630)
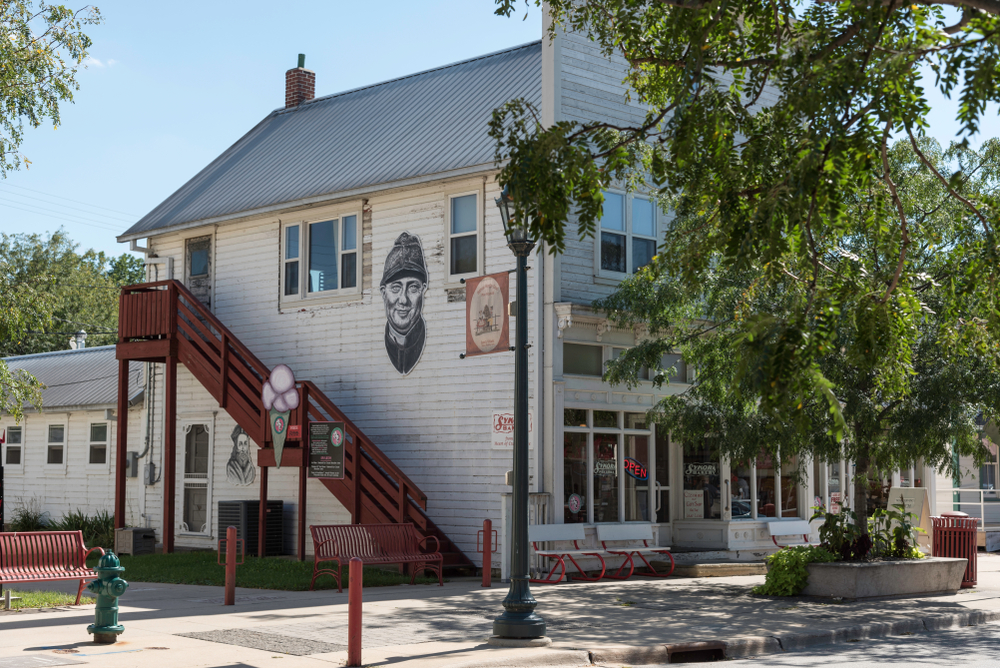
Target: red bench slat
point(373, 544)
point(40, 556)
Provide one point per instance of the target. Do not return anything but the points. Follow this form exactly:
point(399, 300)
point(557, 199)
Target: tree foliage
point(901, 381)
point(766, 123)
point(42, 48)
point(71, 291)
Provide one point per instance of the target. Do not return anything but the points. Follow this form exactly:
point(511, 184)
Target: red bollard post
point(230, 566)
point(487, 553)
point(354, 612)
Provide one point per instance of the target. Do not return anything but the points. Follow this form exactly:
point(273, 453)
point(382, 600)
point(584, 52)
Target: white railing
point(983, 504)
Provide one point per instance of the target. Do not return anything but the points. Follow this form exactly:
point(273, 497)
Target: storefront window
point(605, 477)
point(702, 498)
point(609, 451)
point(739, 484)
point(789, 489)
point(766, 497)
point(575, 478)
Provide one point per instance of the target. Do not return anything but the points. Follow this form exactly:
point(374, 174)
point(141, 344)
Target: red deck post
point(262, 514)
point(303, 471)
point(354, 612)
point(170, 452)
point(230, 566)
point(121, 444)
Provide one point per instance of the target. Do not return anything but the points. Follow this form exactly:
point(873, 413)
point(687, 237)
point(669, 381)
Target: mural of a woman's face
point(404, 300)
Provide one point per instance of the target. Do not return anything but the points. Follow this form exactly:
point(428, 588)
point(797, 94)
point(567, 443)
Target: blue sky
point(172, 86)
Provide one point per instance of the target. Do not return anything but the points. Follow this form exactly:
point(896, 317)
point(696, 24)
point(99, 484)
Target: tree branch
point(905, 242)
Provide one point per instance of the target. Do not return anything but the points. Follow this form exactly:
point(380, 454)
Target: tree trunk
point(861, 492)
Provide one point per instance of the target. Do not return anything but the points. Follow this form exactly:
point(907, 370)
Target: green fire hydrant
point(108, 588)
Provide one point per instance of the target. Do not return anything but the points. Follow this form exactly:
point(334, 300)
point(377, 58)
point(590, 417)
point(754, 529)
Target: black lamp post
point(519, 619)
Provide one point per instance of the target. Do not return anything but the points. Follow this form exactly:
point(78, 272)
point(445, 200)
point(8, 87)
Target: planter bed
point(883, 579)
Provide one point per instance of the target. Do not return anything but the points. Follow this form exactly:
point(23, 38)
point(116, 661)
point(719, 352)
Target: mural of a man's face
point(403, 299)
point(243, 446)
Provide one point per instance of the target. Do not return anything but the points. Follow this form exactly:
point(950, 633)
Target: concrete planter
point(932, 575)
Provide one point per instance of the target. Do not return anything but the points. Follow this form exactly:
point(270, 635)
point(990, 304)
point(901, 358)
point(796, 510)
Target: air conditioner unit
point(135, 540)
point(243, 516)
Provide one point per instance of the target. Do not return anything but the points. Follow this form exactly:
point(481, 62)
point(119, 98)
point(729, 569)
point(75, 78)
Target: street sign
point(326, 450)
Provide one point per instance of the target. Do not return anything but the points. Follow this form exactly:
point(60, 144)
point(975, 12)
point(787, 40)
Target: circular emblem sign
point(337, 437)
point(486, 314)
point(279, 424)
point(575, 503)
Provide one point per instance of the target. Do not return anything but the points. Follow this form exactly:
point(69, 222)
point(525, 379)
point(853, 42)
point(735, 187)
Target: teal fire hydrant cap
point(109, 562)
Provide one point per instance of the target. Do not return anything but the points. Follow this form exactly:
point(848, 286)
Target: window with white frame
point(321, 258)
point(98, 443)
point(606, 467)
point(56, 444)
point(627, 238)
point(197, 457)
point(13, 455)
point(463, 234)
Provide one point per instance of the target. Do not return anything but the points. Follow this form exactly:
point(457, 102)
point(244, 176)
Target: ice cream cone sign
point(280, 398)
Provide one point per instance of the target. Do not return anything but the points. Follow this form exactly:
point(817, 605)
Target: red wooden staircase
point(164, 322)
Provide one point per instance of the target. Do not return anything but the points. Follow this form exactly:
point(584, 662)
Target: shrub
point(787, 574)
point(98, 529)
point(27, 515)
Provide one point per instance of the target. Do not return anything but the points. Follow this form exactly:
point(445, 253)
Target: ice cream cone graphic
point(279, 427)
point(280, 398)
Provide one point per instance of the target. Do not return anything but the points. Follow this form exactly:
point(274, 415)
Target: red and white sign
point(503, 431)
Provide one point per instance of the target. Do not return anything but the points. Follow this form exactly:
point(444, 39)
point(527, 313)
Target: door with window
point(198, 268)
point(197, 467)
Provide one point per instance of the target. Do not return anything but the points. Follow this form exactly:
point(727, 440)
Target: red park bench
point(43, 556)
point(373, 544)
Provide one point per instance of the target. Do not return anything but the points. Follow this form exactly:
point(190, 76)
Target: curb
point(545, 657)
point(750, 646)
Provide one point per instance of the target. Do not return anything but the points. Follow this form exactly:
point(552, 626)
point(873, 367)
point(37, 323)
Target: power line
point(94, 206)
point(93, 214)
point(83, 215)
point(70, 220)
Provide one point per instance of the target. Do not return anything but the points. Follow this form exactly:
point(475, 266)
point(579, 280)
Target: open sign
point(635, 469)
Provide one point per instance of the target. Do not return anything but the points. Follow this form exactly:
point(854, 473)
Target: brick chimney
point(300, 84)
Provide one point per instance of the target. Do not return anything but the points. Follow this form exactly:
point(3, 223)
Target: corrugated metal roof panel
point(87, 377)
point(426, 123)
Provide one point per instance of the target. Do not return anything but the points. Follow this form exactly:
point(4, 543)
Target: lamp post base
point(520, 625)
point(497, 641)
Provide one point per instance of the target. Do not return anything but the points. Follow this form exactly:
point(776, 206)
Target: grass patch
point(200, 568)
point(43, 599)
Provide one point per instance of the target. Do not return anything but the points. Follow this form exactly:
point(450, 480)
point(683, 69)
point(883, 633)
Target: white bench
point(779, 528)
point(562, 533)
point(630, 533)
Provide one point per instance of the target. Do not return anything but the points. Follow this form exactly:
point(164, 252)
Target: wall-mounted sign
point(326, 450)
point(279, 397)
point(636, 469)
point(486, 323)
point(694, 504)
point(503, 431)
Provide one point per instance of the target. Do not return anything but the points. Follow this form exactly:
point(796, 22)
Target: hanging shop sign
point(280, 398)
point(326, 450)
point(635, 469)
point(503, 431)
point(487, 327)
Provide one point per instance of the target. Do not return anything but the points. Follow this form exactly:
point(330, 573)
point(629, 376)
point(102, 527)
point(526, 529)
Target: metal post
point(121, 444)
point(354, 612)
point(230, 566)
point(487, 553)
point(519, 619)
point(169, 452)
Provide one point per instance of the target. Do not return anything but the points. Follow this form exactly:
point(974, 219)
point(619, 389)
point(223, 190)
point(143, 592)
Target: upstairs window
point(627, 238)
point(13, 454)
point(463, 235)
point(329, 249)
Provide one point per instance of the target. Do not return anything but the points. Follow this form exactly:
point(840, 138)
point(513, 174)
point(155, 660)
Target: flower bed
point(880, 579)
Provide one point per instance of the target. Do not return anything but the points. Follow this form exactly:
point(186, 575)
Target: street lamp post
point(519, 619)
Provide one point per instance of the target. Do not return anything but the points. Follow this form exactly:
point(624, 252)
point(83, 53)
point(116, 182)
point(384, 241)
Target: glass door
point(661, 477)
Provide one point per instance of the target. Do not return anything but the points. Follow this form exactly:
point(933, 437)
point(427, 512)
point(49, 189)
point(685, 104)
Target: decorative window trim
point(605, 277)
point(327, 296)
point(183, 427)
point(452, 280)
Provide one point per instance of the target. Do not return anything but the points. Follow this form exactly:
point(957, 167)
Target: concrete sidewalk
point(608, 623)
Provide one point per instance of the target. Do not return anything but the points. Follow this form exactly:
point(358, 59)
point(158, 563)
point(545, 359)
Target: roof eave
point(309, 201)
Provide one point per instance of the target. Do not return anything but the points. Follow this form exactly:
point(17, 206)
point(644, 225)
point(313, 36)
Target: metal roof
point(87, 377)
point(433, 122)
